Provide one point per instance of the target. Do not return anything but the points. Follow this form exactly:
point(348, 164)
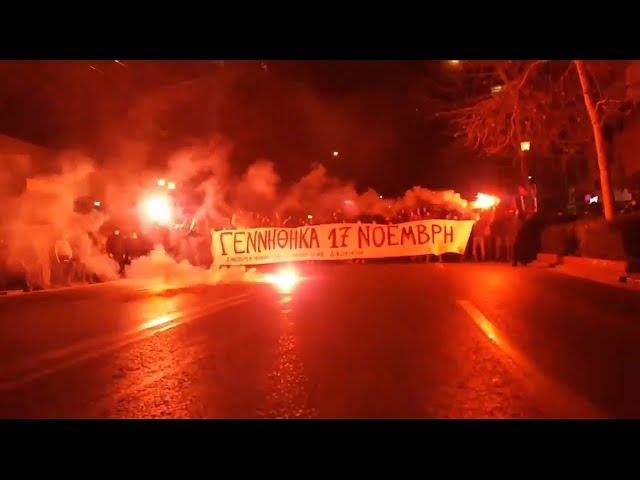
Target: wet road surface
point(350, 341)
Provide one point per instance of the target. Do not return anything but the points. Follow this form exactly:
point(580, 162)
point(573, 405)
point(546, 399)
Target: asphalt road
point(350, 341)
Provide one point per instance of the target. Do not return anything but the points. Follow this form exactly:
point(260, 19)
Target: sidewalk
point(10, 292)
point(76, 286)
point(609, 272)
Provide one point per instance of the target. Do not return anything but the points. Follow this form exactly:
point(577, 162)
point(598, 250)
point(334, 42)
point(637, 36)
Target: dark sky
point(292, 112)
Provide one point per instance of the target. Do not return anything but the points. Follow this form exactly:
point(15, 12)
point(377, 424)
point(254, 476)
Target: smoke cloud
point(161, 268)
point(44, 212)
point(222, 180)
point(209, 194)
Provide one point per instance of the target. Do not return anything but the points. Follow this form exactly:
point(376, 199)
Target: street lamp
point(525, 146)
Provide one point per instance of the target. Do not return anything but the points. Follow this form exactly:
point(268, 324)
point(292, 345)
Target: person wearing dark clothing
point(116, 250)
point(630, 230)
point(527, 243)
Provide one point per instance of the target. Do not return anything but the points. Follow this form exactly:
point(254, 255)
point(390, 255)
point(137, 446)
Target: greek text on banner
point(337, 241)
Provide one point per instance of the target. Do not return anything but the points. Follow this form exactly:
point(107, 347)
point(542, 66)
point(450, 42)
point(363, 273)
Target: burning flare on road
point(284, 280)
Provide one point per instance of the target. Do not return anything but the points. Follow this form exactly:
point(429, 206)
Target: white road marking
point(68, 356)
point(554, 396)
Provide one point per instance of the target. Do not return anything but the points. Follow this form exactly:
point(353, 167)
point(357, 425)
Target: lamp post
point(525, 146)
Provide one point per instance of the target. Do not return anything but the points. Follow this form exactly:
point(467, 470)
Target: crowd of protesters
point(48, 261)
point(494, 234)
point(499, 234)
point(255, 220)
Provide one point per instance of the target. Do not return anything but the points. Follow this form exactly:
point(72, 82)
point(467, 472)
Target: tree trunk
point(601, 148)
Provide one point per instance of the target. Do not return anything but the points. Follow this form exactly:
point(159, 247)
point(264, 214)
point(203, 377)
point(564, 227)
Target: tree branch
point(528, 71)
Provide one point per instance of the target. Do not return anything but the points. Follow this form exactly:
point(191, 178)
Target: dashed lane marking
point(553, 396)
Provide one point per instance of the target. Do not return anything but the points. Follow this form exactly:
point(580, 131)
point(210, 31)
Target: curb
point(629, 279)
point(617, 268)
point(78, 286)
point(613, 265)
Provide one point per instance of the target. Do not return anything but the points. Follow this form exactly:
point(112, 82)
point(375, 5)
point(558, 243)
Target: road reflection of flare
point(152, 378)
point(160, 320)
point(288, 384)
point(285, 301)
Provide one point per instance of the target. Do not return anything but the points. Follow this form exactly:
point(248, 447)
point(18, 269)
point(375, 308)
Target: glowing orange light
point(171, 186)
point(97, 203)
point(525, 146)
point(160, 320)
point(454, 62)
point(309, 217)
point(484, 201)
point(161, 182)
point(336, 153)
point(379, 196)
point(157, 209)
point(117, 232)
point(285, 280)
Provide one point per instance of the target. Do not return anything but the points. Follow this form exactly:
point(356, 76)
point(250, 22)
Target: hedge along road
point(597, 238)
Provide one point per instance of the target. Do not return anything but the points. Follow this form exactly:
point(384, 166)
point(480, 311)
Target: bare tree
point(559, 106)
point(596, 117)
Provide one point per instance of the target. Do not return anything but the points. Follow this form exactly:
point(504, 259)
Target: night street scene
point(262, 239)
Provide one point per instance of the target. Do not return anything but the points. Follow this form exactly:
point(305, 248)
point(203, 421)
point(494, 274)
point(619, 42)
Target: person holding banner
point(340, 242)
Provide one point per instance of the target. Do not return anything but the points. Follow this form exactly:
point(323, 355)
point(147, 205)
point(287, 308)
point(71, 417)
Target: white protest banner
point(338, 241)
